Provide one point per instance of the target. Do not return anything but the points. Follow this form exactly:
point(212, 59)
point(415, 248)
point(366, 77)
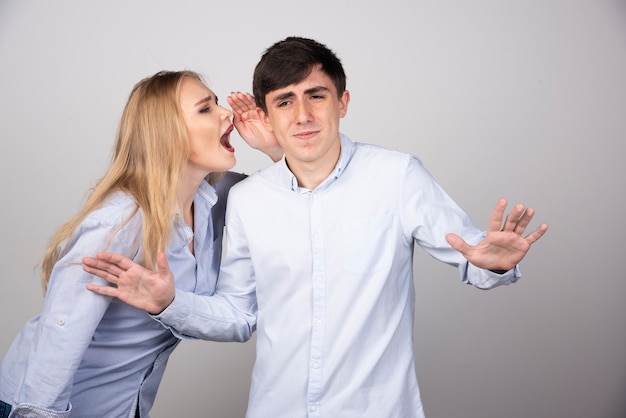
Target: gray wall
point(524, 100)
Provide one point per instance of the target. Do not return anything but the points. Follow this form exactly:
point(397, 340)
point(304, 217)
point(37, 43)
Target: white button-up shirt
point(326, 277)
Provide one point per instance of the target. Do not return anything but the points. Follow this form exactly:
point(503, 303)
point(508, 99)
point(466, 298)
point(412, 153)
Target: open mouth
point(225, 139)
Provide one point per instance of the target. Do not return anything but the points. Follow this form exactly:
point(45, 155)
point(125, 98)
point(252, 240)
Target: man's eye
point(283, 104)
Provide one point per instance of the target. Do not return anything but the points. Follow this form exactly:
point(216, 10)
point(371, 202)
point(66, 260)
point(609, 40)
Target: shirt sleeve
point(429, 214)
point(230, 313)
point(65, 326)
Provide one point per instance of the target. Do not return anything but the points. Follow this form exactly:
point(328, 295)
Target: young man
point(319, 255)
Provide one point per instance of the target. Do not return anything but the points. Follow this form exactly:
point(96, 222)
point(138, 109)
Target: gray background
point(520, 99)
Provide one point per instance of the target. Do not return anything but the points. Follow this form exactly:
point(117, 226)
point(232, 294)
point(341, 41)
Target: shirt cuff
point(176, 314)
point(487, 279)
point(29, 410)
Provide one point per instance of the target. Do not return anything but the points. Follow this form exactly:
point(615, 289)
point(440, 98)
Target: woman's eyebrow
point(204, 100)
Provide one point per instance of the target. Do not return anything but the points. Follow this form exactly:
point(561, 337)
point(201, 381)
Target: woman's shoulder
point(117, 209)
point(229, 180)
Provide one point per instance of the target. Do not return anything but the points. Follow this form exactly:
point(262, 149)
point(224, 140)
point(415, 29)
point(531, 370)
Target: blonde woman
point(165, 190)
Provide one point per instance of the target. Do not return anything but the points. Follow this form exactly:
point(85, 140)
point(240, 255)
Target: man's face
point(305, 120)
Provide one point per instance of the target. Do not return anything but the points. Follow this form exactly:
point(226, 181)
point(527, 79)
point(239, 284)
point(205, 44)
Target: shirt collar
point(207, 194)
point(345, 155)
point(206, 197)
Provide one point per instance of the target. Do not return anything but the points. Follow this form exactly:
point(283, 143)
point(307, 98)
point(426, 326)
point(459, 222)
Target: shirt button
point(319, 279)
point(318, 322)
point(313, 408)
point(61, 321)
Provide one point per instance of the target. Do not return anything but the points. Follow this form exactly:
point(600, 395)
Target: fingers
point(513, 218)
point(495, 222)
point(523, 221)
point(102, 290)
point(116, 260)
point(241, 102)
point(101, 267)
point(516, 221)
point(108, 266)
point(234, 102)
point(537, 233)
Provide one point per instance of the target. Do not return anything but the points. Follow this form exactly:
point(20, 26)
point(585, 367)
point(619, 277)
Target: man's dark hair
point(290, 61)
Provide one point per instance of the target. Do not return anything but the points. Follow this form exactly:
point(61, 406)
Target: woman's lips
point(225, 139)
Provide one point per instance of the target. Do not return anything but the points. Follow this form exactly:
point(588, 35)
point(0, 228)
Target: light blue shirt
point(326, 277)
point(94, 356)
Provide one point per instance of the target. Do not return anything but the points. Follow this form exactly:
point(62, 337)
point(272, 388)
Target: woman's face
point(208, 126)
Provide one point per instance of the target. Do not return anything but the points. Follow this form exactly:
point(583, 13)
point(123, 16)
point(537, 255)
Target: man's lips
point(225, 139)
point(306, 135)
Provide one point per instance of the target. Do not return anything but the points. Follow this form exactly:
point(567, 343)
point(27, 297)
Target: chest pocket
point(367, 244)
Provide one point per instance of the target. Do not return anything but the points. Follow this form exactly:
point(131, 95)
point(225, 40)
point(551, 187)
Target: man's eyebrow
point(283, 96)
point(311, 91)
point(318, 89)
point(204, 100)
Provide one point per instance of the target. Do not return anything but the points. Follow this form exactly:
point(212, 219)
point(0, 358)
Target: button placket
point(319, 306)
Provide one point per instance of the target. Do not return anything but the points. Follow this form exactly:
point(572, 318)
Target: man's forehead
point(316, 81)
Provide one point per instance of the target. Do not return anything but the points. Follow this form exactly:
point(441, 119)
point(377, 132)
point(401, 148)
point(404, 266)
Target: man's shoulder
point(379, 152)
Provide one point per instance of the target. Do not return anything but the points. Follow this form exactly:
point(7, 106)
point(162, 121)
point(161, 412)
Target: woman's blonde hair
point(151, 148)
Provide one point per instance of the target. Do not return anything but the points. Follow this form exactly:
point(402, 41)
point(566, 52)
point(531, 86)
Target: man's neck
point(311, 174)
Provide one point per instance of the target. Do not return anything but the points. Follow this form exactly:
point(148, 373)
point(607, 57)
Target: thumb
point(163, 267)
point(457, 243)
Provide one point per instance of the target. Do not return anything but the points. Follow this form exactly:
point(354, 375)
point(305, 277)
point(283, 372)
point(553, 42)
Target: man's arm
point(504, 246)
point(214, 318)
point(485, 259)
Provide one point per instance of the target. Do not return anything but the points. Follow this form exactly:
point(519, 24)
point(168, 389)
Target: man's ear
point(343, 103)
point(265, 120)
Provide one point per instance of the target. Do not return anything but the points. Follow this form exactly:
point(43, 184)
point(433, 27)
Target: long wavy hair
point(151, 148)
